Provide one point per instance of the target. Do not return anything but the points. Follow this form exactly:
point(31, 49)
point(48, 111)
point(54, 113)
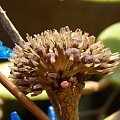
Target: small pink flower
point(65, 84)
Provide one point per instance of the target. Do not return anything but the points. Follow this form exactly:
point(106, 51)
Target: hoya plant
point(59, 62)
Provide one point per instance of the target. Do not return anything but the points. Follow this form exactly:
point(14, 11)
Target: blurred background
point(34, 17)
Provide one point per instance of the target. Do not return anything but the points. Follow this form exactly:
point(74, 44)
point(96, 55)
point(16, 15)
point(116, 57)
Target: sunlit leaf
point(111, 38)
point(101, 1)
point(5, 94)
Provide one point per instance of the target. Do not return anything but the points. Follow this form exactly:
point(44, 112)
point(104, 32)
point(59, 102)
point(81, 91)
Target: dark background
point(36, 16)
point(33, 17)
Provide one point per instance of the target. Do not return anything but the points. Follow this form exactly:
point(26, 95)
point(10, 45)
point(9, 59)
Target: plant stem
point(54, 102)
point(93, 86)
point(9, 27)
point(108, 103)
point(35, 110)
point(66, 106)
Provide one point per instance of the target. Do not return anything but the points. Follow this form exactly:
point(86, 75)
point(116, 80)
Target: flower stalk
point(67, 102)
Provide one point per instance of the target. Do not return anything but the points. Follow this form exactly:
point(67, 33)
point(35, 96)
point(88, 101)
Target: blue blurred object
point(1, 43)
point(51, 113)
point(5, 52)
point(14, 116)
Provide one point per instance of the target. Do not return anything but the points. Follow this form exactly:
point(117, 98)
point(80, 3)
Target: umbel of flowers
point(60, 62)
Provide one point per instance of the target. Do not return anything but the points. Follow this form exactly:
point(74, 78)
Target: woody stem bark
point(9, 27)
point(66, 101)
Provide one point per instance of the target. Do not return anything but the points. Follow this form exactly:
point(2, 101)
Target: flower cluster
point(56, 60)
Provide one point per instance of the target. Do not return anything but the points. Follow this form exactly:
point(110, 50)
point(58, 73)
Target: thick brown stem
point(54, 101)
point(9, 27)
point(35, 110)
point(67, 101)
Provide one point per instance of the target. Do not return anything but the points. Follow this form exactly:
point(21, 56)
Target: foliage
point(111, 38)
point(102, 1)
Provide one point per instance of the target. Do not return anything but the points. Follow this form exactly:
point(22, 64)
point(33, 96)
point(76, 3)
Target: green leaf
point(102, 1)
point(5, 94)
point(111, 38)
point(115, 77)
